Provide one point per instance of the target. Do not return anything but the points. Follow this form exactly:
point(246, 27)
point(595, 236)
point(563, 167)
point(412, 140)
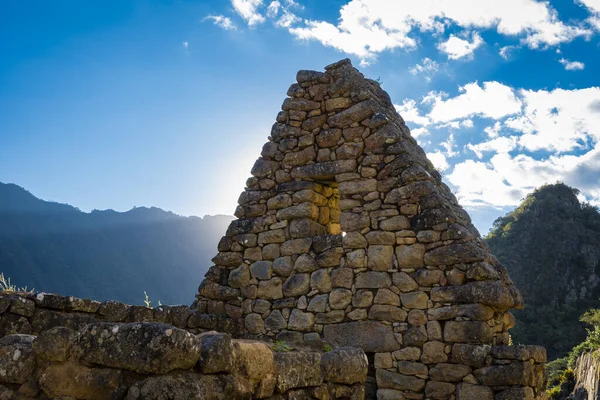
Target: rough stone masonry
point(346, 234)
point(348, 249)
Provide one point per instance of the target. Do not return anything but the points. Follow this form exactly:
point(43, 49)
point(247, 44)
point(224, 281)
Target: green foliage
point(148, 302)
point(561, 376)
point(549, 244)
point(6, 286)
point(281, 346)
point(327, 348)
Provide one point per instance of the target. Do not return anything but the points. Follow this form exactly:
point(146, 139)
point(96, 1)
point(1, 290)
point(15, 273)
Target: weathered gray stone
point(476, 332)
point(495, 294)
point(449, 372)
point(17, 360)
point(261, 270)
point(283, 266)
point(340, 298)
point(392, 380)
point(216, 353)
point(416, 300)
point(404, 282)
point(373, 280)
point(410, 256)
point(345, 365)
point(475, 356)
point(387, 313)
point(296, 285)
point(380, 258)
point(79, 382)
point(254, 324)
point(439, 390)
point(371, 336)
point(54, 344)
point(300, 321)
point(465, 391)
point(271, 289)
point(297, 369)
point(318, 303)
point(239, 277)
point(145, 347)
point(275, 321)
point(433, 352)
point(342, 277)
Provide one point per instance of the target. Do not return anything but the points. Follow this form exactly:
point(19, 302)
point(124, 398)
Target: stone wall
point(34, 313)
point(347, 234)
point(144, 361)
point(587, 376)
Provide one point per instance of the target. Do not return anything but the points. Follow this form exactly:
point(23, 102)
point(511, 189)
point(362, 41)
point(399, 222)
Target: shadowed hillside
point(551, 247)
point(104, 254)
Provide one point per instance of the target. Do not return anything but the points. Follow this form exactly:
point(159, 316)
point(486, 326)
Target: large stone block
point(145, 347)
point(392, 380)
point(297, 369)
point(80, 382)
point(346, 365)
point(17, 360)
point(371, 336)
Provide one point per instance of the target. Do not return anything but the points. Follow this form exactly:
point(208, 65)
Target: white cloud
point(427, 67)
point(418, 132)
point(222, 21)
point(505, 180)
point(248, 10)
point(185, 45)
point(493, 100)
point(457, 48)
point(572, 65)
point(273, 9)
point(506, 51)
point(497, 145)
point(368, 27)
point(449, 146)
point(494, 130)
point(439, 160)
point(592, 5)
point(410, 113)
point(559, 120)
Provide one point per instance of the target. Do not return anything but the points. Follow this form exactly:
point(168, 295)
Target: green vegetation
point(148, 302)
point(6, 286)
point(550, 246)
point(281, 346)
point(561, 378)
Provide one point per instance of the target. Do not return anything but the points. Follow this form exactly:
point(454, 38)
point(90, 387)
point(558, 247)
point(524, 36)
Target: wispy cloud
point(248, 10)
point(221, 21)
point(572, 65)
point(428, 67)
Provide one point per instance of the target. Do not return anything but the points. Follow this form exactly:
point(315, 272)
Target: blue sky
point(115, 104)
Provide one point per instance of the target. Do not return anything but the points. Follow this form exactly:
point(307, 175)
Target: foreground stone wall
point(34, 313)
point(347, 234)
point(147, 361)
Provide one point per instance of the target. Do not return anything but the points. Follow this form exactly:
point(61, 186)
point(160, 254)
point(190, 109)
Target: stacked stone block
point(347, 234)
point(156, 361)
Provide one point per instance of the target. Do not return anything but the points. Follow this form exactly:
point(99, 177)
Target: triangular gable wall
point(347, 234)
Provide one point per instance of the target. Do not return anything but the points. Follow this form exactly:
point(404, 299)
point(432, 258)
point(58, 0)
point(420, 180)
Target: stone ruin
point(350, 273)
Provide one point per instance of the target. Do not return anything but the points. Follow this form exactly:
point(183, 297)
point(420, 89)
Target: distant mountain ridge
point(104, 255)
point(550, 245)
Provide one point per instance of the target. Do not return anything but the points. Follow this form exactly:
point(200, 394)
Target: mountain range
point(105, 255)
